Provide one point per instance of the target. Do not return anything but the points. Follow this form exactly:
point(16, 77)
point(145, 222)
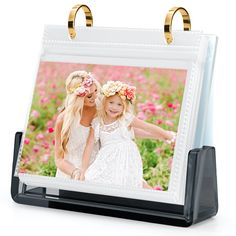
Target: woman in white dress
point(118, 161)
point(73, 123)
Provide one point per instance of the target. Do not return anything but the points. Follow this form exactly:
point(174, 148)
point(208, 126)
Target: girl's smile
point(113, 112)
point(114, 106)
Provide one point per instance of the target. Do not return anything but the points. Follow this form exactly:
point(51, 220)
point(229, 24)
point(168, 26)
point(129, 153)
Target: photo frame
point(192, 54)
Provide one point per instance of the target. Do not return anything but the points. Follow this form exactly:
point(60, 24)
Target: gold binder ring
point(72, 15)
point(169, 19)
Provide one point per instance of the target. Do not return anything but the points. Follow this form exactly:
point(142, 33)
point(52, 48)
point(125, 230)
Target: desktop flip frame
point(201, 196)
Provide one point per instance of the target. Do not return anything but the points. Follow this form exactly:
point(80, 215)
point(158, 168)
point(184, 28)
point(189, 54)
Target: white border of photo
point(141, 48)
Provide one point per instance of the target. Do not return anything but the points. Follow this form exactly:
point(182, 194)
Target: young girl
point(118, 161)
point(73, 123)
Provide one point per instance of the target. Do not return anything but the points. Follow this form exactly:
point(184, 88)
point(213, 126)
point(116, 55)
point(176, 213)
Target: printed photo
point(104, 124)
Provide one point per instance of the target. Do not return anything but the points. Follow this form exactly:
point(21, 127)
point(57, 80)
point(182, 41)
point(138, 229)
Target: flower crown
point(125, 91)
point(82, 89)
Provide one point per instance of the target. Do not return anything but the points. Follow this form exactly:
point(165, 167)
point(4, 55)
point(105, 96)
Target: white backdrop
point(22, 25)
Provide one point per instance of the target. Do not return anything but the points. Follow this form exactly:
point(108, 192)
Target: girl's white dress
point(76, 144)
point(118, 161)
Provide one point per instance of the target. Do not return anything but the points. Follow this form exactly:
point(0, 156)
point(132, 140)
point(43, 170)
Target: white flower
point(81, 91)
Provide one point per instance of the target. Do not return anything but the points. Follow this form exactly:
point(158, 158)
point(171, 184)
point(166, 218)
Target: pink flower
point(87, 82)
point(159, 122)
point(25, 160)
point(174, 106)
point(45, 158)
point(159, 107)
point(50, 123)
point(170, 161)
point(53, 97)
point(141, 79)
point(53, 86)
point(42, 93)
point(50, 130)
point(31, 127)
point(155, 96)
point(151, 108)
point(158, 150)
point(26, 141)
point(130, 92)
point(44, 100)
point(169, 123)
point(40, 136)
point(81, 91)
point(148, 106)
point(53, 142)
point(36, 148)
point(35, 114)
point(33, 159)
point(158, 187)
point(45, 145)
point(41, 85)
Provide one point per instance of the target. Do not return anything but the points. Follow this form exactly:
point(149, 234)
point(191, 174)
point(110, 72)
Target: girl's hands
point(82, 176)
point(172, 137)
point(76, 174)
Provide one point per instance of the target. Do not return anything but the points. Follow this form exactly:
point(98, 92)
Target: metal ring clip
point(169, 19)
point(72, 16)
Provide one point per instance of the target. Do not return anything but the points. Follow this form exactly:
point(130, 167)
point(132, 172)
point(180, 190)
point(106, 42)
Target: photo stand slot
point(201, 196)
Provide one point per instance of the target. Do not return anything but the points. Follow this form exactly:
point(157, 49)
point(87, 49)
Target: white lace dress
point(118, 161)
point(76, 144)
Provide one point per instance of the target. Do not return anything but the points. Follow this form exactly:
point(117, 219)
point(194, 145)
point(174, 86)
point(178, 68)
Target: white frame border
point(190, 58)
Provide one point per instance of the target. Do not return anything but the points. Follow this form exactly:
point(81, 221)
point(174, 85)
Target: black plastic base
point(201, 198)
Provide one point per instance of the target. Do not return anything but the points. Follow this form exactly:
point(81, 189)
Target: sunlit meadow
point(159, 98)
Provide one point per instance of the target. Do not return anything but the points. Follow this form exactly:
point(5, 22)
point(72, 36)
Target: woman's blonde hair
point(73, 104)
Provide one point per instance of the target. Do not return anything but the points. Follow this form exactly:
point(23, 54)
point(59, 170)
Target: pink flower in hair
point(82, 88)
point(130, 92)
point(123, 90)
point(87, 82)
point(81, 91)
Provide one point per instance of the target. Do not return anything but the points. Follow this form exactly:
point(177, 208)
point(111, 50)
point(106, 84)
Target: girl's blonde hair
point(73, 104)
point(101, 109)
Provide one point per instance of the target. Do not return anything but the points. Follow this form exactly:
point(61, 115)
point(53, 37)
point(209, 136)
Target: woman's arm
point(151, 130)
point(87, 153)
point(62, 164)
